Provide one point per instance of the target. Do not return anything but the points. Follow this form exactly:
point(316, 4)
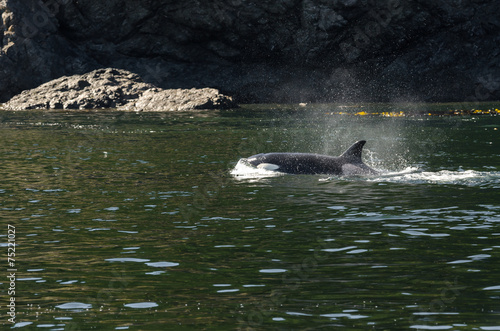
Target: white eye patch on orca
point(268, 166)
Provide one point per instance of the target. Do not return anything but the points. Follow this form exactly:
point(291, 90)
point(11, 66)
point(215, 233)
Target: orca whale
point(347, 164)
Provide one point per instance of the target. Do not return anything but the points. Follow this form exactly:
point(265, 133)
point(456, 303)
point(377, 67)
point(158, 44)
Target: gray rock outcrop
point(115, 88)
point(275, 51)
point(180, 100)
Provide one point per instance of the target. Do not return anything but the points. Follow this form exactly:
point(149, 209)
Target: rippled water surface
point(139, 222)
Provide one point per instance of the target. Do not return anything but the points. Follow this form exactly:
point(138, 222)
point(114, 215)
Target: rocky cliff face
point(273, 51)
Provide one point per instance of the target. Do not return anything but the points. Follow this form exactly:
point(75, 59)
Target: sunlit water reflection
point(139, 222)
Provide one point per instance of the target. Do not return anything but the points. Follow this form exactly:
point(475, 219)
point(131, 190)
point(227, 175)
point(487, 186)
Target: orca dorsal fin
point(353, 154)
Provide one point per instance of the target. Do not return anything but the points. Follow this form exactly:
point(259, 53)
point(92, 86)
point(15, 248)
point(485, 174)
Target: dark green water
point(134, 221)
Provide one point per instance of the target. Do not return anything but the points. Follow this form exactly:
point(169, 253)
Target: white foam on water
point(413, 175)
point(410, 175)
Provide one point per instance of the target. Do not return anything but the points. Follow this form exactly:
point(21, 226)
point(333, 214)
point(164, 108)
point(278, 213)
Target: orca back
point(349, 163)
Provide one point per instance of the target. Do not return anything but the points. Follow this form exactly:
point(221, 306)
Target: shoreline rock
point(115, 89)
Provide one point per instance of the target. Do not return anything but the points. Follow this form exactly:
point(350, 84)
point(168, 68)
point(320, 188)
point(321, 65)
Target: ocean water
point(148, 221)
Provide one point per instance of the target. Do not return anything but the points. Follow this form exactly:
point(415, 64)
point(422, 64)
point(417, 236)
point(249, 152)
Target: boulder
point(118, 89)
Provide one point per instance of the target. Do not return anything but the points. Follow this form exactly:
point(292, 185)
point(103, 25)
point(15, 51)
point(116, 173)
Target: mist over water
point(399, 147)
